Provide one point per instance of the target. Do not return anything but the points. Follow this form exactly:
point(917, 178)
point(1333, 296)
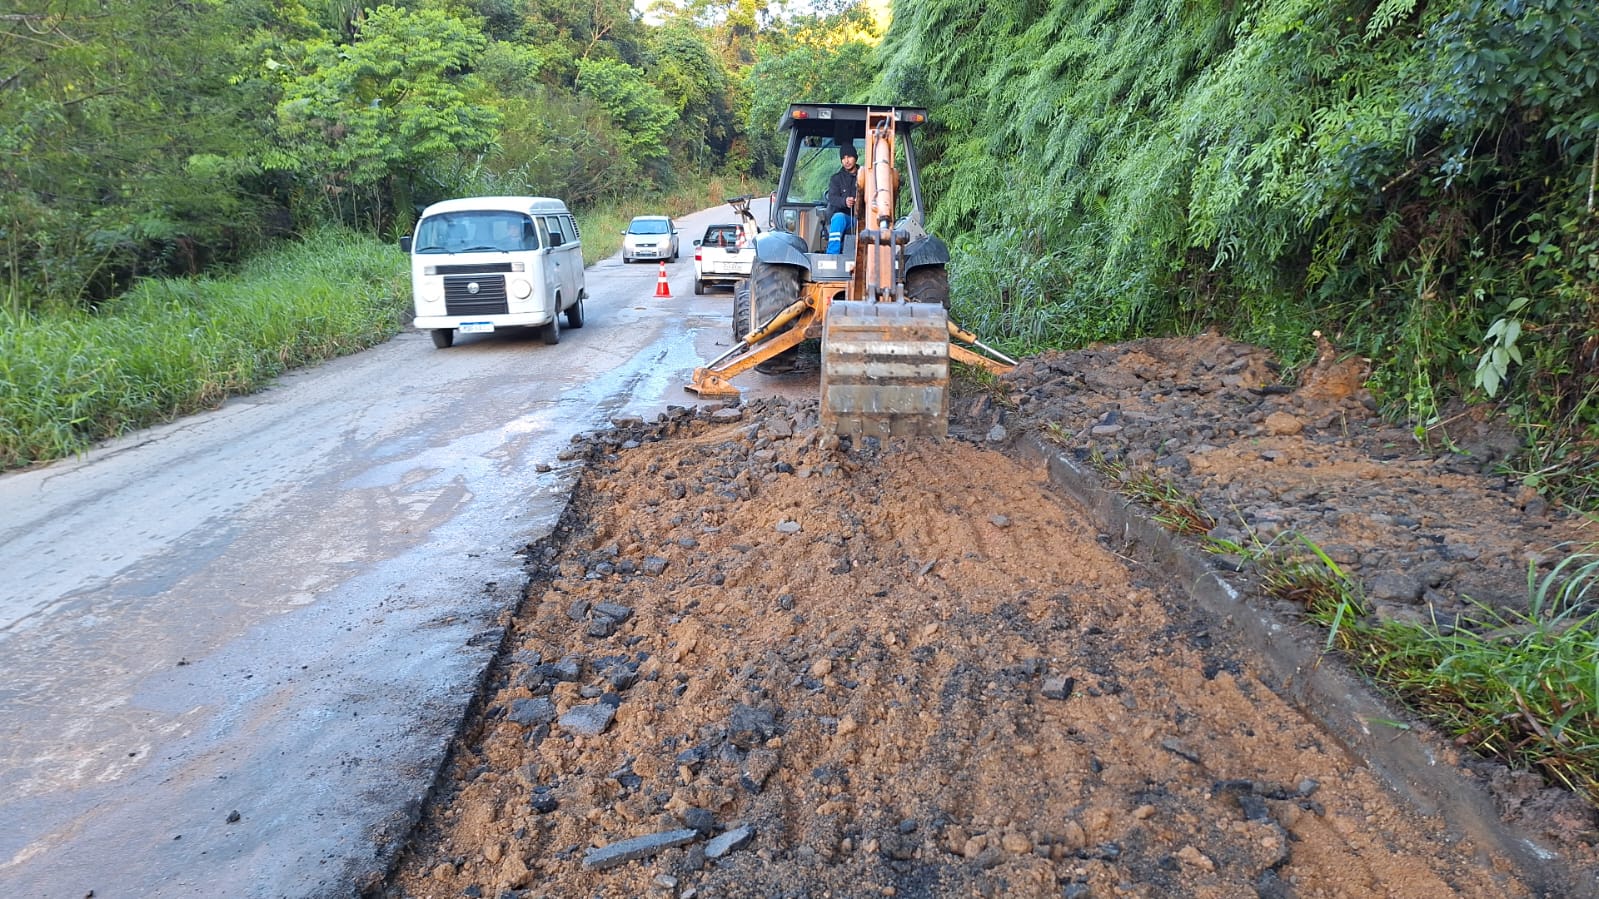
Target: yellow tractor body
point(875, 293)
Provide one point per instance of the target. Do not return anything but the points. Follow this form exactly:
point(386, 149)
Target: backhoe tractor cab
point(879, 305)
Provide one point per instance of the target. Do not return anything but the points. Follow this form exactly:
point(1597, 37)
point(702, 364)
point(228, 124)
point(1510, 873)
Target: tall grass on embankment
point(70, 378)
point(1521, 686)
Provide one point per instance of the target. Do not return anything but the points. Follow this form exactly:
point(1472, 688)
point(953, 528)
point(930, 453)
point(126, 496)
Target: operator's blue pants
point(840, 223)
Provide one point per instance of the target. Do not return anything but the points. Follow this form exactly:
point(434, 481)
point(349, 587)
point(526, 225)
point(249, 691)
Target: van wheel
point(574, 315)
point(551, 333)
point(443, 338)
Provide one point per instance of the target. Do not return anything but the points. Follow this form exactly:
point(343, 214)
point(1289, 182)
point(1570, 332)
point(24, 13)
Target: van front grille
point(482, 295)
point(477, 269)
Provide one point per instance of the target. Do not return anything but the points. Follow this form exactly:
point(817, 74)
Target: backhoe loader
point(879, 306)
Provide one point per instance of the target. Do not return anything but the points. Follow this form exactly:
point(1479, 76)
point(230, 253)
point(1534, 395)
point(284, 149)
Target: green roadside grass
point(70, 378)
point(1520, 686)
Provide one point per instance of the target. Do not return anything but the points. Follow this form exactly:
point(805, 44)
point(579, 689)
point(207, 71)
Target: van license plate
point(476, 327)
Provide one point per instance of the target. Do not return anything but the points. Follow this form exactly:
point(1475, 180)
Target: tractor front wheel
point(775, 288)
point(928, 284)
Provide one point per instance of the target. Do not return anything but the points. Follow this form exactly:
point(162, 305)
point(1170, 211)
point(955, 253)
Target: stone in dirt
point(532, 712)
point(750, 727)
point(613, 610)
point(1058, 686)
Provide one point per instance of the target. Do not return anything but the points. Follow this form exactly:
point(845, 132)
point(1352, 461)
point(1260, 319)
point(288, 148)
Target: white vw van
point(479, 264)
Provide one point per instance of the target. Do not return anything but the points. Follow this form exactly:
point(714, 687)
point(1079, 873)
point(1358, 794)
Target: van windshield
point(476, 232)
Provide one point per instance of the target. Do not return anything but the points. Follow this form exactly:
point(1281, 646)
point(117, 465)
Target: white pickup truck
point(723, 256)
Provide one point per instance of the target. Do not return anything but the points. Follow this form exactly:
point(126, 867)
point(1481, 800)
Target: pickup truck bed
point(722, 256)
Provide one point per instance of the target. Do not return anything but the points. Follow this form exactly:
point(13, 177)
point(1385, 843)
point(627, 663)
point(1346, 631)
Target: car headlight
point(521, 289)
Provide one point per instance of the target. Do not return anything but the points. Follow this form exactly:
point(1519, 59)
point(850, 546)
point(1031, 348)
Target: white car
point(650, 237)
point(722, 256)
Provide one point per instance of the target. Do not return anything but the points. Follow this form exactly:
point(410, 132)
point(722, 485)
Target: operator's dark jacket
point(842, 185)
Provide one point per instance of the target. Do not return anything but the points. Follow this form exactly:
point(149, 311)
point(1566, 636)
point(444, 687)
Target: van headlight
point(521, 289)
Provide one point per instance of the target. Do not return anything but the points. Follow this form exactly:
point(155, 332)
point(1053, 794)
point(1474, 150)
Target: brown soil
point(914, 670)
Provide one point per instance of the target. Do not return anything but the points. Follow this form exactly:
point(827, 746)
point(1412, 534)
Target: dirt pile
point(1426, 524)
point(755, 662)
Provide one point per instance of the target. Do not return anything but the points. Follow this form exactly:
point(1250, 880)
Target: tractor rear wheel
point(928, 284)
point(741, 310)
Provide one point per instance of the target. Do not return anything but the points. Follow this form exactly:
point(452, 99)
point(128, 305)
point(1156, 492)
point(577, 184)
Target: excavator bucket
point(885, 369)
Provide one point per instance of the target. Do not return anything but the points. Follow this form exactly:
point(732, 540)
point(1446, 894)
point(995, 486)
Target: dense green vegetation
point(159, 138)
point(1415, 179)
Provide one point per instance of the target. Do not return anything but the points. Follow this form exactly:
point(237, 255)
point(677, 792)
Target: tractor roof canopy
point(845, 121)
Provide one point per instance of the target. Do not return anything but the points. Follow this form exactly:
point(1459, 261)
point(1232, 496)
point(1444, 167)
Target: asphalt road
point(234, 649)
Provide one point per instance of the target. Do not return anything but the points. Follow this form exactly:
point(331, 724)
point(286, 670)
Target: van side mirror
point(405, 244)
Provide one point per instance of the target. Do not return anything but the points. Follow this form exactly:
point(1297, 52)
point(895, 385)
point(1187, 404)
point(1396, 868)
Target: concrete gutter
point(1407, 760)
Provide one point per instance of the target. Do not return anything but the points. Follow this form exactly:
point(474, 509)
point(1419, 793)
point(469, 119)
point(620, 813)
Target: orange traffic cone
point(662, 289)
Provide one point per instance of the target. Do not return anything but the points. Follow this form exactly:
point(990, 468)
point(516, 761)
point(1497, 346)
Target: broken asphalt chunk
point(532, 712)
point(749, 727)
point(700, 820)
point(1059, 687)
point(737, 838)
point(620, 853)
point(588, 720)
point(1175, 747)
point(613, 610)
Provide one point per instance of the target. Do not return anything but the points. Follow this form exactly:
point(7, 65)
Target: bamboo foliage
point(1395, 173)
